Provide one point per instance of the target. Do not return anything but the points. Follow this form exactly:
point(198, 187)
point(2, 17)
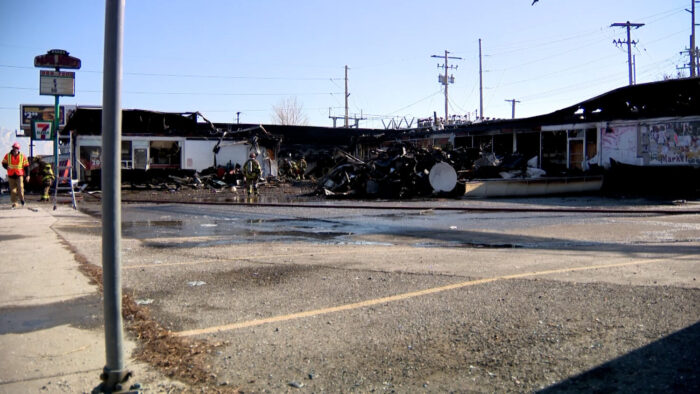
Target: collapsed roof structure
point(652, 124)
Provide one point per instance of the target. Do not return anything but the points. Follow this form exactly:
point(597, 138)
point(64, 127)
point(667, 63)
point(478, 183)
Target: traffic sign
point(57, 58)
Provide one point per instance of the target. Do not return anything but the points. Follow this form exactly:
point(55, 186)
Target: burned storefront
point(640, 139)
point(644, 139)
point(156, 145)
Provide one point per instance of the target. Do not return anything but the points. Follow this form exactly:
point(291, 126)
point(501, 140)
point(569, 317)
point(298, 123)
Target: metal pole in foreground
point(114, 374)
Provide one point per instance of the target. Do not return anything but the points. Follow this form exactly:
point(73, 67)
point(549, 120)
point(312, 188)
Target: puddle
point(244, 235)
point(465, 245)
point(152, 223)
point(210, 226)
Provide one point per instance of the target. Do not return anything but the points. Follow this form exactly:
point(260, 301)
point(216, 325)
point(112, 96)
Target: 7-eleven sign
point(42, 130)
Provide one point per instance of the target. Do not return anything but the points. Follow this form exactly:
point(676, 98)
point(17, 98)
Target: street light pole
point(114, 375)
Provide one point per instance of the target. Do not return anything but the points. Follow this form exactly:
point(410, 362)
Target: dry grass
point(182, 359)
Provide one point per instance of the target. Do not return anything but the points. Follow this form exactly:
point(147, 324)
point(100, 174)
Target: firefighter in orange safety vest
point(17, 167)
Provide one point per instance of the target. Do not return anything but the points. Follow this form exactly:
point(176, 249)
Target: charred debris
point(652, 127)
point(382, 165)
point(397, 170)
point(335, 163)
point(402, 170)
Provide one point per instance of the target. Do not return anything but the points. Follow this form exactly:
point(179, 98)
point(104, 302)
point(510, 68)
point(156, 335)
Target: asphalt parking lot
point(356, 299)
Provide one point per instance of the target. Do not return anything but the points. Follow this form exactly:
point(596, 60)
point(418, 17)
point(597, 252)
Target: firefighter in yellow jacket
point(47, 178)
point(252, 172)
point(17, 167)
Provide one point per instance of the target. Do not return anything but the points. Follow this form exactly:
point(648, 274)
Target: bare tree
point(289, 112)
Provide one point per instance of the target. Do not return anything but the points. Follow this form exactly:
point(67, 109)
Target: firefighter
point(47, 178)
point(252, 172)
point(302, 167)
point(17, 167)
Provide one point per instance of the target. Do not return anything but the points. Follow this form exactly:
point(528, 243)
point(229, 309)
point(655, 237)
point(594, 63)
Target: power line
point(203, 76)
point(421, 100)
point(193, 93)
point(568, 88)
point(517, 46)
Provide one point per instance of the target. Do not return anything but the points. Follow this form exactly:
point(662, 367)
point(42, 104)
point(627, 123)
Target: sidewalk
point(51, 320)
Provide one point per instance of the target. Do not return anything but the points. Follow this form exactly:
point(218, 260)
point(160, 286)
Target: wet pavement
point(240, 224)
point(408, 300)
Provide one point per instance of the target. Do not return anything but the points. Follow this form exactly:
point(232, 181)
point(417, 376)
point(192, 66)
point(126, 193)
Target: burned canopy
point(88, 121)
point(672, 98)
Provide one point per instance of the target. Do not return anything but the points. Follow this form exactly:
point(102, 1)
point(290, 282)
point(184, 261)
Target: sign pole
point(57, 177)
point(56, 84)
point(56, 122)
point(31, 143)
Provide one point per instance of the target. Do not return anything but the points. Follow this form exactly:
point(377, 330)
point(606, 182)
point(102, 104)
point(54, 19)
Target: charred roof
point(671, 98)
point(88, 121)
point(313, 135)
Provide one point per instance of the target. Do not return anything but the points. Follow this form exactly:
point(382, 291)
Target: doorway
point(140, 155)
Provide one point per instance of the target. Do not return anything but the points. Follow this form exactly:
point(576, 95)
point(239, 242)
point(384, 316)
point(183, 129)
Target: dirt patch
point(9, 237)
point(260, 276)
point(178, 358)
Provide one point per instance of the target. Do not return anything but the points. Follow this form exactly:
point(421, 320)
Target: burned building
point(642, 137)
point(164, 142)
point(646, 137)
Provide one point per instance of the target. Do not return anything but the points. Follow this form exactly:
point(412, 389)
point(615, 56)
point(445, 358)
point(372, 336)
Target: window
point(165, 154)
point(126, 155)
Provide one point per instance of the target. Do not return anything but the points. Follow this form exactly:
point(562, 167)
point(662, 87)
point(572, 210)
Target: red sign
point(57, 74)
point(57, 58)
point(42, 130)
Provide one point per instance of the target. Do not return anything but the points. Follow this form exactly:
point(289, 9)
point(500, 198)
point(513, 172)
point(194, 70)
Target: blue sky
point(221, 57)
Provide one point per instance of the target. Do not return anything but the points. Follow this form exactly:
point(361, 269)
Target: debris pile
point(510, 166)
point(398, 171)
point(214, 178)
point(405, 171)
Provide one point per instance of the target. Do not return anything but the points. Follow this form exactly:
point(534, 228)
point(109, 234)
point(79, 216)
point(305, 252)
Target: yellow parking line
point(400, 297)
point(127, 267)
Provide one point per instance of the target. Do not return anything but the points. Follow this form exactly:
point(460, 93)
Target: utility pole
point(481, 86)
point(445, 80)
point(346, 96)
point(629, 43)
point(693, 51)
point(513, 101)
